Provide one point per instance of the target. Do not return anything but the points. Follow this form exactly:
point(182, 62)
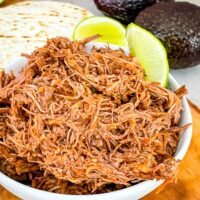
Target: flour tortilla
point(27, 25)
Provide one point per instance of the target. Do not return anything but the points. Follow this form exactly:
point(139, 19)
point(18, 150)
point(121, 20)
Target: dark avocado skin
point(177, 25)
point(125, 10)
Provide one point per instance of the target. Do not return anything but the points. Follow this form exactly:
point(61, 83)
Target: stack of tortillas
point(27, 25)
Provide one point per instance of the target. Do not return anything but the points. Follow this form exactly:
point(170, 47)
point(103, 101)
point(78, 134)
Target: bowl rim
point(139, 187)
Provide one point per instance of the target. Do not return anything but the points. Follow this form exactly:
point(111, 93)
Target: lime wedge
point(112, 31)
point(150, 53)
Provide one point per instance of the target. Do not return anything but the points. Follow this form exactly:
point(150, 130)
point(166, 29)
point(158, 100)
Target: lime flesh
point(111, 31)
point(150, 52)
point(1, 1)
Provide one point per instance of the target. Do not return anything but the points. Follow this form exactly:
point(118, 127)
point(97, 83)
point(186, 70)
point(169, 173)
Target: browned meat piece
point(77, 122)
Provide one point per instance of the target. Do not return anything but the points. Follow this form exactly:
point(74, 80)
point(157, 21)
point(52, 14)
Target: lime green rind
point(137, 40)
point(112, 31)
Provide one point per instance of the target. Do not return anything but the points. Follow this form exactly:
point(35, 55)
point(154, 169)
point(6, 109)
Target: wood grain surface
point(188, 184)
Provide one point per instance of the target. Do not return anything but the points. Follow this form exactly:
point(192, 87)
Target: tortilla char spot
point(84, 12)
point(41, 23)
point(6, 36)
point(55, 13)
point(24, 36)
point(40, 34)
point(26, 18)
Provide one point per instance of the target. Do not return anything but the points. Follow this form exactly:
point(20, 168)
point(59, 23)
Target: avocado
point(125, 10)
point(177, 25)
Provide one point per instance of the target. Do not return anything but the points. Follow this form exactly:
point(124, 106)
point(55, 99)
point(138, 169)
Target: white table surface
point(189, 77)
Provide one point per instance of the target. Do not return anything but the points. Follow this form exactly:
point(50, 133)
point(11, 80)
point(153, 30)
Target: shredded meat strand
point(81, 122)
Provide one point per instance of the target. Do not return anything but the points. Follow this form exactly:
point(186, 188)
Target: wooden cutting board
point(188, 184)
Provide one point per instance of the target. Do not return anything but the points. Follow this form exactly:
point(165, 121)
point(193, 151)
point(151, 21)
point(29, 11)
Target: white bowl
point(131, 193)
